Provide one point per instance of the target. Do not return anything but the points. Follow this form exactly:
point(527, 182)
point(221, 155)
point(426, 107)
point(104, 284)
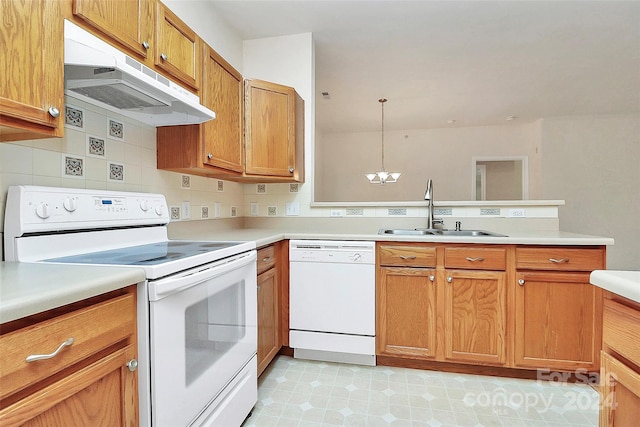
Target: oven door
point(202, 333)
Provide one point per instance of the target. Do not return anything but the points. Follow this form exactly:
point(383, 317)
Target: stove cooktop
point(150, 254)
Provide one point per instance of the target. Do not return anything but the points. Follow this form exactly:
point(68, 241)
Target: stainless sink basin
point(437, 232)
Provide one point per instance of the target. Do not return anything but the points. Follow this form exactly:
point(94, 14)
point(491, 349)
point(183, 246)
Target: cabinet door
point(127, 22)
point(268, 342)
point(102, 393)
point(475, 316)
point(269, 129)
point(222, 93)
point(558, 321)
point(406, 312)
point(31, 60)
point(620, 393)
point(177, 48)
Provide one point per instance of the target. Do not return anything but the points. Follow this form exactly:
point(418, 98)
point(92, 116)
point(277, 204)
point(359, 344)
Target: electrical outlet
point(186, 210)
point(516, 213)
point(254, 209)
point(216, 210)
point(336, 213)
point(292, 209)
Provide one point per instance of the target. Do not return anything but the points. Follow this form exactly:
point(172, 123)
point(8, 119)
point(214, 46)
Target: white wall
point(593, 163)
point(444, 155)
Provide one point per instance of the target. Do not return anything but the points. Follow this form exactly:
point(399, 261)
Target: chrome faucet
point(428, 196)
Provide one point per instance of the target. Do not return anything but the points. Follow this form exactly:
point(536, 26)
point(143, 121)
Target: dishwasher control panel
point(332, 251)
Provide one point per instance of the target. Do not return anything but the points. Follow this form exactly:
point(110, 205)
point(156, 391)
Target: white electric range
point(196, 310)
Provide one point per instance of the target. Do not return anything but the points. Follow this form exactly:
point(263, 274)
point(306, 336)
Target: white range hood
point(98, 73)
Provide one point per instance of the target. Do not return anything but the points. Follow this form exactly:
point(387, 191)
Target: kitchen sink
point(438, 232)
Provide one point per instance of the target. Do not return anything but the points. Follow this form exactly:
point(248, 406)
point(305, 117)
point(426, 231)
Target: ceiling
point(475, 62)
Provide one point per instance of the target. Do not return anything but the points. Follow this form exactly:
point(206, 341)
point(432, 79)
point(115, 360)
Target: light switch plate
point(292, 209)
point(186, 210)
point(336, 213)
point(216, 210)
point(254, 209)
point(516, 213)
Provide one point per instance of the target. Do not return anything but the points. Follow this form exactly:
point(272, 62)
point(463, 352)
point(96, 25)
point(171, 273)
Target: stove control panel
point(41, 209)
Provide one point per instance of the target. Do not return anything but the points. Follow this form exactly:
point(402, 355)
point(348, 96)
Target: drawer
point(407, 256)
point(92, 329)
point(560, 259)
point(266, 258)
point(620, 330)
point(475, 258)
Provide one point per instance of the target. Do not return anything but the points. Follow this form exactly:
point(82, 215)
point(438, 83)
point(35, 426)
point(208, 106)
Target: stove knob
point(357, 257)
point(43, 211)
point(159, 210)
point(70, 204)
point(144, 205)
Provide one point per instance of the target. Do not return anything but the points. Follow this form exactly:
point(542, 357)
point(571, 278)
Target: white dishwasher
point(332, 291)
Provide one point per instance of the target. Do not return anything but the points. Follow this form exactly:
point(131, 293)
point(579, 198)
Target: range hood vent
point(97, 73)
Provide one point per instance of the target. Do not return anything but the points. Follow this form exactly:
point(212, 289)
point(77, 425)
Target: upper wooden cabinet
point(214, 148)
point(31, 60)
point(148, 31)
point(178, 49)
point(129, 23)
point(272, 147)
point(274, 131)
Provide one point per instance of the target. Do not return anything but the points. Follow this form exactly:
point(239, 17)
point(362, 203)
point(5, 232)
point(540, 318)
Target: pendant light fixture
point(383, 177)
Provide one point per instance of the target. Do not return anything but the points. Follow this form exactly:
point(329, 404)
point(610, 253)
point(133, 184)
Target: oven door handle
point(164, 287)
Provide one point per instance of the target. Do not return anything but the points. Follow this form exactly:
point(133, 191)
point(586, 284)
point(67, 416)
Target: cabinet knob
point(209, 156)
point(163, 56)
point(449, 279)
point(132, 365)
point(145, 44)
point(291, 170)
point(54, 112)
point(521, 282)
point(432, 277)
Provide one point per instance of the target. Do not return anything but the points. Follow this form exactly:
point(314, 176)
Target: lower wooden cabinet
point(500, 306)
point(558, 321)
point(424, 312)
point(558, 313)
point(88, 380)
point(268, 307)
point(475, 316)
point(406, 312)
point(620, 364)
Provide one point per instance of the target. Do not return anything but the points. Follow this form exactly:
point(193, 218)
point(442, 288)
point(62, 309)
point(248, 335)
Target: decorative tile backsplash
point(116, 172)
point(293, 188)
point(72, 166)
point(96, 146)
point(115, 129)
point(261, 188)
point(74, 117)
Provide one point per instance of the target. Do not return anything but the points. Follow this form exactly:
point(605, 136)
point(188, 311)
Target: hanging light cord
point(382, 101)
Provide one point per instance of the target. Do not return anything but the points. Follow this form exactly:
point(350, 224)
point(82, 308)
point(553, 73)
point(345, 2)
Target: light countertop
point(30, 288)
point(264, 237)
point(621, 282)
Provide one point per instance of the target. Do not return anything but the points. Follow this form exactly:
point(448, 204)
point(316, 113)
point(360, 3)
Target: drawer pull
point(474, 259)
point(36, 357)
point(267, 259)
point(407, 257)
point(559, 261)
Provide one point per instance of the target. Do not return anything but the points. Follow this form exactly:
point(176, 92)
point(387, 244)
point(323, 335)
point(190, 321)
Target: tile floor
point(294, 392)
